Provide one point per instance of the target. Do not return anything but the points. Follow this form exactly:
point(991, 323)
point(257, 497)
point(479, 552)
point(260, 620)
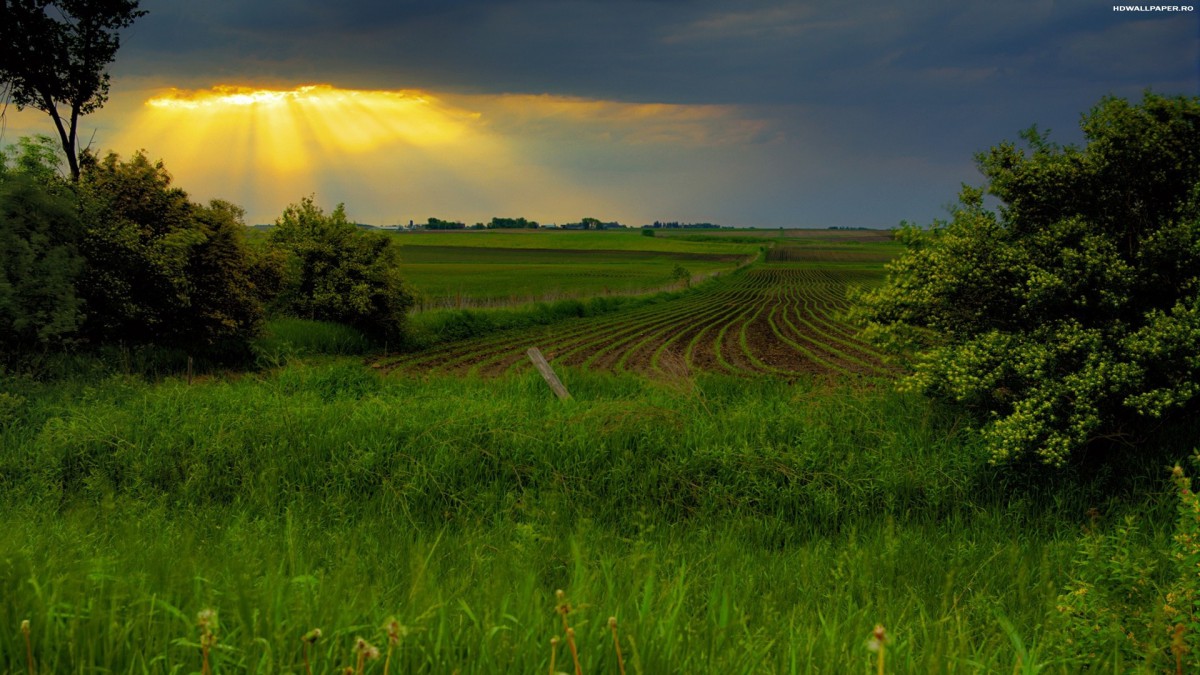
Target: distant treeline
point(588, 223)
point(676, 225)
point(494, 224)
point(497, 223)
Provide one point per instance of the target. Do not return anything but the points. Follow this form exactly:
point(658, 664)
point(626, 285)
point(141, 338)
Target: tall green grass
point(731, 526)
point(286, 338)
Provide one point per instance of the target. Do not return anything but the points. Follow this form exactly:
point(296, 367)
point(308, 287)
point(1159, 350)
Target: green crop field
point(790, 235)
point(465, 276)
point(490, 268)
point(780, 318)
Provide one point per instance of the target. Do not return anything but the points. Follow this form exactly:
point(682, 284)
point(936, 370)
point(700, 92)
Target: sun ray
point(405, 148)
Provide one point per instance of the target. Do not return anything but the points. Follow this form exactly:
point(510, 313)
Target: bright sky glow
point(289, 125)
point(409, 154)
point(280, 144)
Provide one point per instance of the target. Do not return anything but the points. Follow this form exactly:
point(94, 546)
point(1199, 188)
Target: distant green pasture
point(791, 235)
point(446, 275)
point(630, 240)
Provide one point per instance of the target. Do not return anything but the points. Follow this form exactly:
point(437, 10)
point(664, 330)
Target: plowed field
point(771, 319)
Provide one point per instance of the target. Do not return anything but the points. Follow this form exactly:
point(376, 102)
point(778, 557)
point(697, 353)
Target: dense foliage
point(121, 257)
point(162, 269)
point(1072, 315)
point(39, 256)
point(336, 272)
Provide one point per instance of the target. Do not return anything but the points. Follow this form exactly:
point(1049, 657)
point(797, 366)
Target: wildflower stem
point(878, 643)
point(612, 624)
point(28, 645)
point(574, 651)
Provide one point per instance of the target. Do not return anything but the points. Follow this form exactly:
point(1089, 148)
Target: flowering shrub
point(1072, 314)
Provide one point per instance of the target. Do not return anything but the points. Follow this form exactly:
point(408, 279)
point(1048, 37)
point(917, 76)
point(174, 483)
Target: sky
point(749, 113)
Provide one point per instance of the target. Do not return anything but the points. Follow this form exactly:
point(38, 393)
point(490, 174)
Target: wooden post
point(547, 372)
point(189, 371)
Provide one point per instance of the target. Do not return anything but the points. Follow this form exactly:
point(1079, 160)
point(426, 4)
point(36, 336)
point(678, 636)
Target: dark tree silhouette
point(53, 55)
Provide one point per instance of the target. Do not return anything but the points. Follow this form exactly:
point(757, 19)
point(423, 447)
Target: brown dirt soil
point(634, 342)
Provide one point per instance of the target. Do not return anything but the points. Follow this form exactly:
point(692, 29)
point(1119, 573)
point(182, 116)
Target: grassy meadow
point(730, 524)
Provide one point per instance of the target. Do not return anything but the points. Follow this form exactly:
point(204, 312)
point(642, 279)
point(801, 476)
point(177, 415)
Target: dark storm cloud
point(881, 84)
point(680, 51)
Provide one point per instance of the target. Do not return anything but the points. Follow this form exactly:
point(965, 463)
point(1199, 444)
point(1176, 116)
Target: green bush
point(1133, 599)
point(39, 265)
point(1073, 315)
point(336, 272)
point(161, 269)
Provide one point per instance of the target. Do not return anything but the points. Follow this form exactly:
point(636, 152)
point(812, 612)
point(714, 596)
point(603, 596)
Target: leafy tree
point(36, 157)
point(137, 244)
point(336, 272)
point(512, 224)
point(39, 256)
point(53, 55)
point(1072, 315)
point(225, 305)
point(439, 224)
point(161, 269)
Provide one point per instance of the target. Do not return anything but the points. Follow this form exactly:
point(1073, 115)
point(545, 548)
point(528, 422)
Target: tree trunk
point(67, 138)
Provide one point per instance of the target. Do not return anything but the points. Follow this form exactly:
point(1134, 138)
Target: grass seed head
point(25, 627)
point(207, 619)
point(312, 636)
point(365, 649)
point(878, 639)
point(395, 632)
